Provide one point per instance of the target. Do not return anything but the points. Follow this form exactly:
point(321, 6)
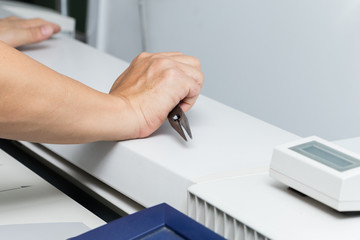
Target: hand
point(16, 32)
point(154, 84)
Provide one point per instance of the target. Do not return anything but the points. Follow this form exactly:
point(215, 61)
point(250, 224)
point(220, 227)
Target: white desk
point(25, 198)
point(160, 168)
point(227, 146)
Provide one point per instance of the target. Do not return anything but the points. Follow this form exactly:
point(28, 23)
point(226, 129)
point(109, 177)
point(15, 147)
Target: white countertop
point(26, 198)
point(161, 167)
point(227, 144)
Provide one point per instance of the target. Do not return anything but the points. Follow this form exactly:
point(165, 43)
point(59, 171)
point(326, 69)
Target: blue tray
point(158, 222)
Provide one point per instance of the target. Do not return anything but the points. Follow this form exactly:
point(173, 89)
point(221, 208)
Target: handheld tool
point(179, 121)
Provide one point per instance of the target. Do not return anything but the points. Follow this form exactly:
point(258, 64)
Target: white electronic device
point(321, 170)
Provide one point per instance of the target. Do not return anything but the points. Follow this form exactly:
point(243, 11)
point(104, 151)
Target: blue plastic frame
point(144, 224)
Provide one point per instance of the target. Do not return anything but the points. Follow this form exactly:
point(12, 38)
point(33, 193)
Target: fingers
point(11, 18)
point(189, 100)
point(32, 35)
point(38, 22)
point(187, 85)
point(175, 56)
point(175, 60)
point(16, 31)
point(188, 60)
point(183, 73)
point(193, 72)
point(187, 103)
point(154, 84)
point(190, 79)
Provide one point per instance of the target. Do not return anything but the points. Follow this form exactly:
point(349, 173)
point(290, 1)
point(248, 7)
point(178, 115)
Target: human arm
point(38, 104)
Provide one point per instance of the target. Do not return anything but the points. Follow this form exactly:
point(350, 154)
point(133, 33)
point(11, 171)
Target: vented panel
point(220, 222)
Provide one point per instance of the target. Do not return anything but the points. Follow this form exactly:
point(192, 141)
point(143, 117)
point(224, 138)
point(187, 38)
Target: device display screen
point(327, 156)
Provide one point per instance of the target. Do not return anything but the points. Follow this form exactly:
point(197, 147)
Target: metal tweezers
point(179, 121)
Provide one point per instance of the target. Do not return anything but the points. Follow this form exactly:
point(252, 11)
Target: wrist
point(122, 120)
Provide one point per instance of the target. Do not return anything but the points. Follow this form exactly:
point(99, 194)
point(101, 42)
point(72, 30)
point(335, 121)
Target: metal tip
point(185, 124)
point(179, 121)
point(177, 126)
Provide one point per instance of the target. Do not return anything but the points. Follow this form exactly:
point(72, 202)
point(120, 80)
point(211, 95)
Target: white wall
point(113, 26)
point(295, 64)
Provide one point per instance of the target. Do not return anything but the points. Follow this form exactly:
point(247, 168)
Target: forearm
point(38, 104)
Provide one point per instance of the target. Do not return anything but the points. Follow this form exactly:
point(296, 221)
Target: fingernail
point(46, 30)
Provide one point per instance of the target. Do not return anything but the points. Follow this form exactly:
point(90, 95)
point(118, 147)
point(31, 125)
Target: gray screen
point(327, 156)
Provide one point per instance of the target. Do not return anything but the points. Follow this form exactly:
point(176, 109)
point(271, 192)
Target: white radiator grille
point(220, 222)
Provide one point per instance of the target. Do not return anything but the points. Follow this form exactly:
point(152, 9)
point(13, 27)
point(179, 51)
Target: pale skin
point(38, 104)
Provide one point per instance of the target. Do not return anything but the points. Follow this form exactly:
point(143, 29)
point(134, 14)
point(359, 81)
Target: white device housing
point(321, 170)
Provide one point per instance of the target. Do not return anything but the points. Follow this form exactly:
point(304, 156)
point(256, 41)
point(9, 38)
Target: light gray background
point(294, 64)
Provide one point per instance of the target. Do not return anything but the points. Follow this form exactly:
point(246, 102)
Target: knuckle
point(179, 53)
point(143, 55)
point(36, 21)
point(140, 57)
point(10, 18)
point(196, 62)
point(30, 22)
point(170, 73)
point(201, 78)
point(161, 63)
point(194, 89)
